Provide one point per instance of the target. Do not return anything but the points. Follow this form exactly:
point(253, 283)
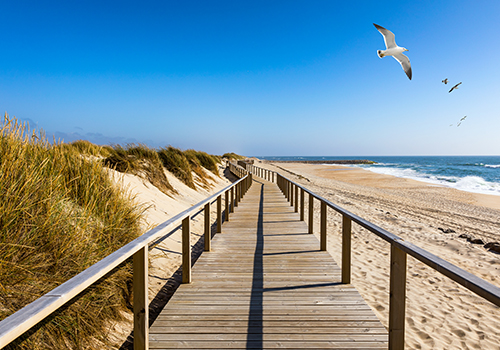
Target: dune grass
point(59, 214)
point(232, 156)
point(208, 161)
point(175, 161)
point(142, 161)
point(88, 148)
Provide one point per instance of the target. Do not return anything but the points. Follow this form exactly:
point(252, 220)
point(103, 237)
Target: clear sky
point(256, 77)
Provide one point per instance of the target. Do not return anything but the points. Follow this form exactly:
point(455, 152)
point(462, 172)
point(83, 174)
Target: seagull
point(455, 87)
point(393, 50)
point(460, 122)
point(445, 81)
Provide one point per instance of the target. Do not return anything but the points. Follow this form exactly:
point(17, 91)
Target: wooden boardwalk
point(266, 285)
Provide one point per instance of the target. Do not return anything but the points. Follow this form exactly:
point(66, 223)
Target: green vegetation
point(88, 148)
point(175, 161)
point(141, 161)
point(232, 156)
point(206, 160)
point(60, 213)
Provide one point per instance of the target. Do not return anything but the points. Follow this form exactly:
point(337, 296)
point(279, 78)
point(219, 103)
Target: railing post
point(346, 249)
point(186, 250)
point(302, 192)
point(296, 199)
point(311, 213)
point(207, 227)
point(232, 200)
point(397, 296)
point(291, 194)
point(219, 214)
point(236, 195)
point(141, 303)
point(323, 227)
point(226, 199)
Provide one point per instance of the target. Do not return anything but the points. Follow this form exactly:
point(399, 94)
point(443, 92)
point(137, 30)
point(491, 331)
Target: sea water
point(480, 174)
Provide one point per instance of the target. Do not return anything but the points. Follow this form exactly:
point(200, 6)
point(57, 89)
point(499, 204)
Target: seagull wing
point(405, 63)
point(455, 87)
point(389, 38)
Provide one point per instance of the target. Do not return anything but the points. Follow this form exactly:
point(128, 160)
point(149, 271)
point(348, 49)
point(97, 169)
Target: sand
point(440, 314)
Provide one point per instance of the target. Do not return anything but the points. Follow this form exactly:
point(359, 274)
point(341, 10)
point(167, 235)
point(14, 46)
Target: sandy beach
point(440, 314)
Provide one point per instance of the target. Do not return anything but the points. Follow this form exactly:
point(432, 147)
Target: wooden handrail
point(23, 320)
point(399, 250)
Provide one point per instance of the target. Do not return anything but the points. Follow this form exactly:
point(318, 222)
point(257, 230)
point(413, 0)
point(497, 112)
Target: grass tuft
point(232, 156)
point(175, 161)
point(142, 161)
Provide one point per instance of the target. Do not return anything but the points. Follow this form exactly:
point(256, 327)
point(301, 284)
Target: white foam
point(492, 165)
point(474, 184)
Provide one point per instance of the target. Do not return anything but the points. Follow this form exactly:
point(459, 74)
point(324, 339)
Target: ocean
point(479, 174)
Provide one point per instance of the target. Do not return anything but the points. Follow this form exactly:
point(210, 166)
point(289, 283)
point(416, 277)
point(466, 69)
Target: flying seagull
point(393, 50)
point(455, 87)
point(445, 81)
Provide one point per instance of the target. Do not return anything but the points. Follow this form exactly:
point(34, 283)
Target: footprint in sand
point(458, 332)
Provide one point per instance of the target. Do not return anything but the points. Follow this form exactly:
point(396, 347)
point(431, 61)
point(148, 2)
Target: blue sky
point(256, 77)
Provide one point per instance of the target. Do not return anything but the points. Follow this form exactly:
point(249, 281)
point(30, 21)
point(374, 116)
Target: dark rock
point(490, 244)
point(476, 241)
point(448, 230)
point(463, 235)
point(493, 247)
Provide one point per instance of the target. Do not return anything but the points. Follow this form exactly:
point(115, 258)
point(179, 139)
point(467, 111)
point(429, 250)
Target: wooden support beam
point(397, 298)
point(219, 214)
point(207, 232)
point(296, 208)
point(323, 227)
point(141, 303)
point(311, 213)
point(232, 200)
point(302, 193)
point(186, 250)
point(346, 249)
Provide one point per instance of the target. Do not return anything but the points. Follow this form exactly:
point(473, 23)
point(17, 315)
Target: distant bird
point(460, 122)
point(455, 87)
point(393, 50)
point(445, 81)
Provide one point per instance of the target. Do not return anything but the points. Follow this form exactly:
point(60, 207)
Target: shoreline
point(361, 176)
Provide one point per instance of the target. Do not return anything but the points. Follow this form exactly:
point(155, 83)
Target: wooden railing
point(399, 250)
point(23, 320)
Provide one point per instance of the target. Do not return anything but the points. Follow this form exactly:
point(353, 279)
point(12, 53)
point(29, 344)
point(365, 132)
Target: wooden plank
point(266, 284)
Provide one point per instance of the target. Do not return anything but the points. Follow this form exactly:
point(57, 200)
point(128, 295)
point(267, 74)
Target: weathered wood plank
point(266, 284)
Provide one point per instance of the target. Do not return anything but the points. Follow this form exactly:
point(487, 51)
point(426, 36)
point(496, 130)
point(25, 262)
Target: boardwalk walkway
point(266, 285)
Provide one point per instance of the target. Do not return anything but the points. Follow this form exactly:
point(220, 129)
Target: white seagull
point(393, 50)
